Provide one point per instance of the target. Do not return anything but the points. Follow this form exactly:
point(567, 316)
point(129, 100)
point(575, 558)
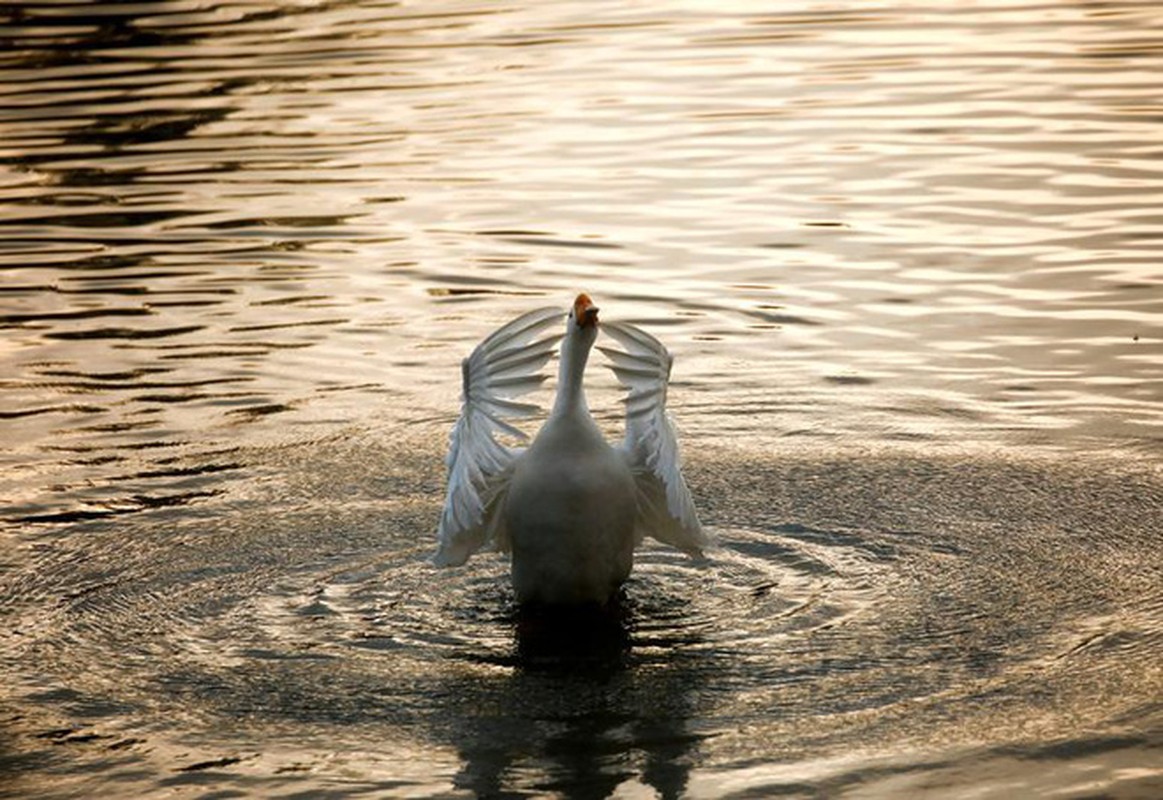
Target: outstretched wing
point(504, 366)
point(665, 509)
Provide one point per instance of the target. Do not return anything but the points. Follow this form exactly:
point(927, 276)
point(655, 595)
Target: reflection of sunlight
point(719, 783)
point(899, 775)
point(403, 768)
point(245, 248)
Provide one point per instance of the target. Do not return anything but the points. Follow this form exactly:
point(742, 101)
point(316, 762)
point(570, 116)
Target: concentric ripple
point(858, 615)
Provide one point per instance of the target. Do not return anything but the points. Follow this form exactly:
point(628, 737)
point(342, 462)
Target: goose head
point(583, 318)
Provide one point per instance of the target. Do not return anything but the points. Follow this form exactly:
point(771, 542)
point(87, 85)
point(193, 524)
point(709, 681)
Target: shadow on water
point(580, 713)
point(586, 638)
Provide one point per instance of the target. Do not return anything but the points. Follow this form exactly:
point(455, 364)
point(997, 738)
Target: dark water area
point(908, 259)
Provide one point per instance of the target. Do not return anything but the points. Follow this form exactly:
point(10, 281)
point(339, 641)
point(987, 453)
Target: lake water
point(909, 259)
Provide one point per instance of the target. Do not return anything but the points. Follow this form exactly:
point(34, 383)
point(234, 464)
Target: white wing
point(505, 365)
point(665, 509)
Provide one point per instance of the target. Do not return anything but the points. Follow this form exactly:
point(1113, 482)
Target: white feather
point(505, 365)
point(665, 509)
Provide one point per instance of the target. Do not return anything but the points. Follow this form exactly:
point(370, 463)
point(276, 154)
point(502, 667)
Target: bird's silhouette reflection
point(578, 712)
point(587, 637)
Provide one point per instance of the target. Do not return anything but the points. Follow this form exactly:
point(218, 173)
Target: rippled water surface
point(909, 259)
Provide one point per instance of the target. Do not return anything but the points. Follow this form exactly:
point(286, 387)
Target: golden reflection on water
point(237, 239)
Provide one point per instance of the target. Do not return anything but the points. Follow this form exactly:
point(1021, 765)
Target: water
point(908, 260)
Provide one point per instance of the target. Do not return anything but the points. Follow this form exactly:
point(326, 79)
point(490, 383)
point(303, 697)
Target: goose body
point(570, 520)
point(569, 508)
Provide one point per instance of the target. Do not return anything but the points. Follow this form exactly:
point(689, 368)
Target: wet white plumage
point(569, 508)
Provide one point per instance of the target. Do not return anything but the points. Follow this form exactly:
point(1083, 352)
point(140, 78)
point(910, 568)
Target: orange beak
point(584, 311)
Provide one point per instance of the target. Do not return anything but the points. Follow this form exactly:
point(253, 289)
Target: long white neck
point(575, 351)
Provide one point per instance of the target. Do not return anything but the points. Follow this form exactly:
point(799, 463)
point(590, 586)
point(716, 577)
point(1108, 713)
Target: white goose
point(569, 508)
